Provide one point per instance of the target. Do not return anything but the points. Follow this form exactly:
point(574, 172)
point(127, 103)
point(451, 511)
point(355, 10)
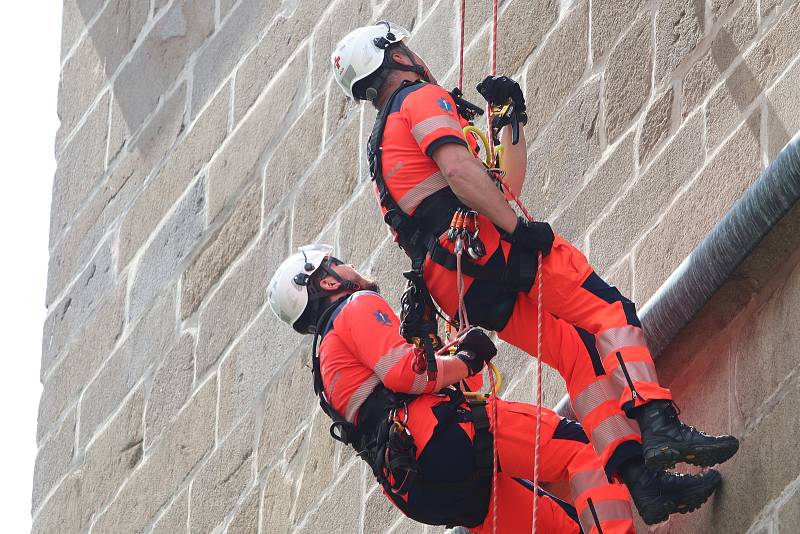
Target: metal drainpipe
point(709, 265)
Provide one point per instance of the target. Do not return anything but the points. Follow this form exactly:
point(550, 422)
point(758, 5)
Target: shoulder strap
point(395, 217)
point(324, 325)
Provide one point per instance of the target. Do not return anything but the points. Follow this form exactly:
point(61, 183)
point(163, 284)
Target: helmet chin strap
point(348, 285)
point(388, 64)
point(345, 285)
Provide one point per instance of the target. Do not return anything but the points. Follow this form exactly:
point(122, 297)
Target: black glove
point(475, 350)
point(498, 89)
point(532, 235)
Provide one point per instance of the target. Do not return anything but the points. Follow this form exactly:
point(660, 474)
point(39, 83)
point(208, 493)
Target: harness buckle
point(342, 431)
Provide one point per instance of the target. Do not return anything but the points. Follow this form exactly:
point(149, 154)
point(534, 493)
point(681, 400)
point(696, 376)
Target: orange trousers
point(590, 334)
point(564, 454)
point(552, 515)
point(597, 346)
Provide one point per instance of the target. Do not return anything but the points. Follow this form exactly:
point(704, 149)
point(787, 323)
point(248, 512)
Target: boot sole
point(708, 456)
point(659, 513)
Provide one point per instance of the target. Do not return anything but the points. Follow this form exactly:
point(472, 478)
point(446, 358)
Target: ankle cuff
point(625, 451)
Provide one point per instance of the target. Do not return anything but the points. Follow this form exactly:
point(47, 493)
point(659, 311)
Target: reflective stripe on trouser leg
point(598, 409)
point(590, 487)
point(612, 431)
point(615, 339)
point(594, 395)
point(639, 367)
point(587, 480)
point(609, 388)
point(608, 510)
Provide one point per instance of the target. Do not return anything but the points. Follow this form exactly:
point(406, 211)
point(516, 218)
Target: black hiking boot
point(666, 441)
point(657, 494)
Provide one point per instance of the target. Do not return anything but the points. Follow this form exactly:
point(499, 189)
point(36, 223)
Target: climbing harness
point(418, 234)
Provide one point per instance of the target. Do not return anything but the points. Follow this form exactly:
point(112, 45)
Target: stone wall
point(202, 141)
point(742, 344)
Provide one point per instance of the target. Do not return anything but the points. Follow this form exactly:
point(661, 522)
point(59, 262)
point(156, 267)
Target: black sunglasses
point(302, 279)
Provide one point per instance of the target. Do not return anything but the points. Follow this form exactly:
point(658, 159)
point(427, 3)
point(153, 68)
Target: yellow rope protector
point(481, 136)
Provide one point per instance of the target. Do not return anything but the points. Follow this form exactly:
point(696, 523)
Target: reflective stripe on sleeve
point(360, 396)
point(336, 376)
point(424, 128)
point(421, 191)
point(419, 385)
point(389, 360)
point(615, 339)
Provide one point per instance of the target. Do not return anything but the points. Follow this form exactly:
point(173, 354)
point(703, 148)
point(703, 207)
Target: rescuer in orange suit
point(431, 450)
point(424, 172)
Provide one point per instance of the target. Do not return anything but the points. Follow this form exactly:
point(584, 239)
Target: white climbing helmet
point(361, 52)
point(288, 291)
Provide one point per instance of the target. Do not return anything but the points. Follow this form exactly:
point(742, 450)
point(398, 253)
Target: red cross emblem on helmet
point(336, 62)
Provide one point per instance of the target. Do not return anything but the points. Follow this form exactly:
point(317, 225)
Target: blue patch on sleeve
point(382, 318)
point(445, 105)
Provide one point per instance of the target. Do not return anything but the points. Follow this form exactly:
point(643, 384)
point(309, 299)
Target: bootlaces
point(673, 409)
point(672, 481)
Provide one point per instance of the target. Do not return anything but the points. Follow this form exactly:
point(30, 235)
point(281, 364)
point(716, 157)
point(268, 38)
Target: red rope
point(538, 440)
point(495, 455)
point(463, 319)
point(493, 72)
point(461, 48)
point(495, 452)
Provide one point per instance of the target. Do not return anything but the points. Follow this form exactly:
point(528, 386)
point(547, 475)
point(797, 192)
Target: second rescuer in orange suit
point(363, 346)
point(591, 333)
point(362, 351)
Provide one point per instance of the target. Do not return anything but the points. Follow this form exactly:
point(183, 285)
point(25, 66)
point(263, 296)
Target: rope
point(461, 48)
point(538, 440)
point(493, 72)
point(495, 454)
point(462, 312)
point(463, 319)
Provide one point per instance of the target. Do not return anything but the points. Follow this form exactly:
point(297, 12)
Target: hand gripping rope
point(491, 161)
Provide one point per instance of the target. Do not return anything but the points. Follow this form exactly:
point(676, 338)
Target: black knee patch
point(627, 450)
point(590, 343)
point(570, 430)
point(599, 288)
